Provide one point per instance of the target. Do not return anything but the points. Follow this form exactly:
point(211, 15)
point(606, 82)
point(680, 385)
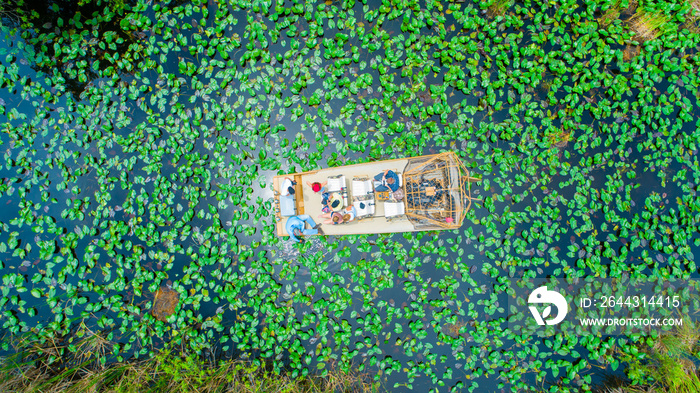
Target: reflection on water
point(291, 251)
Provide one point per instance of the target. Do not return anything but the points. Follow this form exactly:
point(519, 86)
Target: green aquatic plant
point(156, 174)
point(611, 14)
point(649, 25)
point(169, 369)
point(11, 12)
point(669, 365)
point(498, 7)
point(692, 22)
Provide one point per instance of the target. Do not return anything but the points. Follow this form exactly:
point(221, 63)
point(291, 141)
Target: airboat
point(433, 192)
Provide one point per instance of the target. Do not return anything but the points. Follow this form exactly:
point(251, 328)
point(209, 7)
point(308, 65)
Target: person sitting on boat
point(349, 213)
point(334, 218)
point(296, 226)
point(287, 188)
point(326, 208)
point(331, 202)
point(386, 181)
point(345, 215)
point(319, 188)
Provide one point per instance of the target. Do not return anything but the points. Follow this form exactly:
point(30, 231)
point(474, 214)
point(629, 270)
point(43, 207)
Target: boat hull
point(309, 203)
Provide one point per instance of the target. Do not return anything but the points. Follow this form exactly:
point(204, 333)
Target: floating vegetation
point(610, 15)
point(649, 25)
point(631, 52)
point(164, 303)
point(456, 329)
point(139, 140)
point(498, 7)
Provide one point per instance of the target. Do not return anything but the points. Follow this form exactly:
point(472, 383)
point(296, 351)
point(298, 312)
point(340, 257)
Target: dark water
point(371, 301)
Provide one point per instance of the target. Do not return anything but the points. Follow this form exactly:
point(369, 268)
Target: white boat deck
point(310, 202)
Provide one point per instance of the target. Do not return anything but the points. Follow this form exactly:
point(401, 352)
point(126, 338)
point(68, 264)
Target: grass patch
point(692, 22)
point(610, 15)
point(648, 26)
point(34, 368)
point(545, 85)
point(615, 10)
point(670, 365)
point(498, 8)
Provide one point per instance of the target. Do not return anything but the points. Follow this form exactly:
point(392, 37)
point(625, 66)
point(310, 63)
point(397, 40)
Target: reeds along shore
point(37, 368)
point(670, 365)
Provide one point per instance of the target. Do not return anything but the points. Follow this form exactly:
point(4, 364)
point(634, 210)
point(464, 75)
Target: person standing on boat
point(296, 226)
point(386, 181)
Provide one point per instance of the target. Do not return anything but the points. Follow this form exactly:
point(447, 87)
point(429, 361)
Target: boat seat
point(288, 206)
point(394, 208)
point(339, 185)
point(363, 196)
point(364, 205)
point(361, 186)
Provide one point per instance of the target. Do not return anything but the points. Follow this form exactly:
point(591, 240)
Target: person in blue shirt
point(296, 226)
point(386, 181)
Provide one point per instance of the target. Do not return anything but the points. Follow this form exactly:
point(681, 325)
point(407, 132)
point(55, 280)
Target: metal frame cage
point(437, 191)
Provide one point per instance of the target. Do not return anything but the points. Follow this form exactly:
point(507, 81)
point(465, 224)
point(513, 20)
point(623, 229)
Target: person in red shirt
point(317, 187)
